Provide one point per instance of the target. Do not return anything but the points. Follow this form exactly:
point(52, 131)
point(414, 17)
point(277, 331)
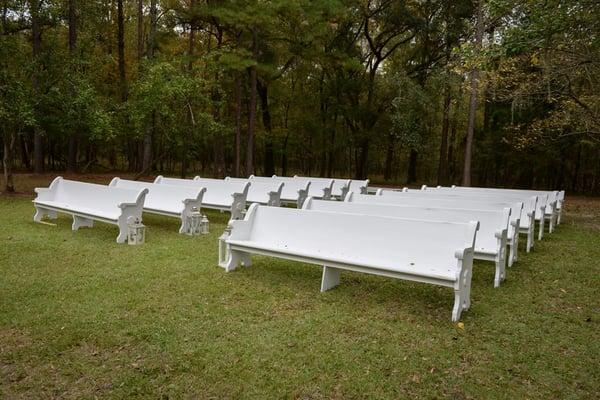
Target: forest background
point(488, 93)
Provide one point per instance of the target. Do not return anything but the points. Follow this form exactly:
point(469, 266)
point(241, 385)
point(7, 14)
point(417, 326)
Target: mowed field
point(84, 317)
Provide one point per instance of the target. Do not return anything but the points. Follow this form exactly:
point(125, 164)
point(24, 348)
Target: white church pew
point(220, 195)
point(491, 241)
point(168, 200)
point(339, 188)
point(320, 188)
point(516, 209)
point(89, 202)
point(530, 205)
point(293, 192)
point(358, 186)
point(439, 253)
point(266, 193)
point(550, 199)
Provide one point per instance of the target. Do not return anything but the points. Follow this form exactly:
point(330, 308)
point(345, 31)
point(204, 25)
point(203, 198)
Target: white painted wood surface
point(338, 190)
point(320, 188)
point(266, 193)
point(220, 195)
point(293, 192)
point(516, 209)
point(168, 200)
point(526, 222)
point(432, 252)
point(89, 202)
point(552, 200)
point(491, 241)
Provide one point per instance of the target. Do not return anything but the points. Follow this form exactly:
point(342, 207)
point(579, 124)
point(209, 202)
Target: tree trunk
point(72, 156)
point(72, 27)
point(38, 150)
point(389, 158)
point(252, 110)
point(4, 14)
point(152, 35)
point(361, 162)
point(7, 162)
point(147, 144)
point(412, 167)
point(147, 152)
point(140, 31)
point(284, 159)
point(192, 121)
point(575, 178)
point(219, 140)
point(442, 178)
point(331, 155)
point(238, 122)
point(263, 92)
point(25, 154)
point(466, 180)
point(121, 50)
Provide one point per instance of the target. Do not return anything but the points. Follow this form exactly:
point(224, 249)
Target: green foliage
point(345, 87)
point(409, 107)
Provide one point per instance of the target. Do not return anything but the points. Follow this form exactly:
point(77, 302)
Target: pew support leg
point(238, 207)
point(541, 228)
point(530, 238)
point(81, 222)
point(331, 278)
point(515, 257)
point(246, 259)
point(41, 212)
point(462, 288)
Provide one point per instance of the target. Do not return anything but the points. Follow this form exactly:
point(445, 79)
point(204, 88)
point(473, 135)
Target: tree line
point(502, 93)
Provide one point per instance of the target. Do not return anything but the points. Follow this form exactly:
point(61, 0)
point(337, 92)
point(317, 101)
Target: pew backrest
point(262, 192)
point(91, 196)
point(219, 195)
point(493, 224)
point(367, 240)
point(516, 207)
point(529, 201)
point(294, 191)
point(339, 188)
point(546, 200)
point(319, 188)
point(168, 199)
point(358, 186)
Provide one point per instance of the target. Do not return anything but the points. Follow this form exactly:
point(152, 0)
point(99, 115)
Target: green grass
point(83, 317)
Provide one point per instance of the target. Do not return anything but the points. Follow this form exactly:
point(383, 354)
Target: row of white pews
point(550, 204)
point(469, 204)
point(174, 197)
point(121, 199)
point(398, 234)
point(266, 193)
point(319, 188)
point(492, 236)
point(292, 192)
point(430, 235)
point(220, 194)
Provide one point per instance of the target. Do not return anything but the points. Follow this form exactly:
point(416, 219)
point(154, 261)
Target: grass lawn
point(84, 317)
